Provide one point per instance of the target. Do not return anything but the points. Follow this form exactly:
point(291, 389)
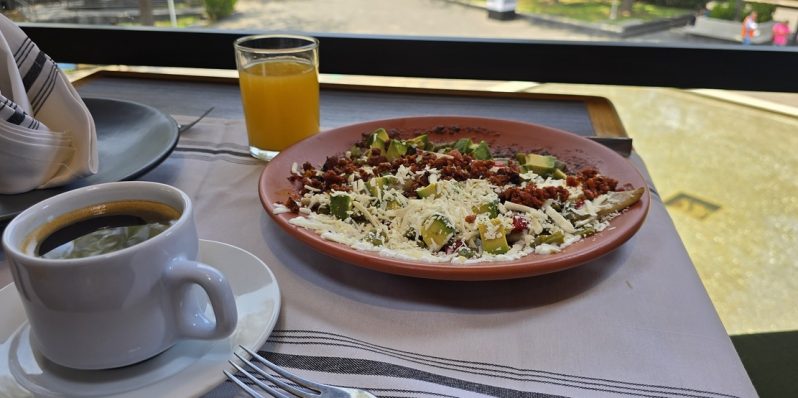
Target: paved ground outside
point(411, 17)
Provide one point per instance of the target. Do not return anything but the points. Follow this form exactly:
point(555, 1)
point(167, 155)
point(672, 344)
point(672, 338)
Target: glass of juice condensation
point(279, 79)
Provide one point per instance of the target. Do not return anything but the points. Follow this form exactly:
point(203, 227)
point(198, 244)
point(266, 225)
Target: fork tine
point(252, 393)
point(291, 389)
point(290, 376)
point(263, 386)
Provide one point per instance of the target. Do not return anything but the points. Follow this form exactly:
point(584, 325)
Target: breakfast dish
point(452, 201)
point(383, 239)
point(190, 368)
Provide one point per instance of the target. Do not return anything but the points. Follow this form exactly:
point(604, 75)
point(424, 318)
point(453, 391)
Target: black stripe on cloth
point(215, 151)
point(16, 118)
point(35, 70)
point(367, 367)
point(21, 47)
point(7, 103)
point(187, 142)
point(466, 366)
point(214, 158)
point(370, 389)
point(46, 90)
point(23, 54)
point(382, 392)
point(638, 392)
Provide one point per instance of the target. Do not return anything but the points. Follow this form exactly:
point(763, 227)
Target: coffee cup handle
point(183, 274)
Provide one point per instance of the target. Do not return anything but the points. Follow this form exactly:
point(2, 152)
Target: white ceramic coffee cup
point(123, 307)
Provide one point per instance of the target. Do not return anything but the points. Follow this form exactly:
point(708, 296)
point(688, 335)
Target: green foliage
point(596, 10)
point(724, 10)
point(727, 10)
point(686, 4)
point(764, 11)
point(218, 9)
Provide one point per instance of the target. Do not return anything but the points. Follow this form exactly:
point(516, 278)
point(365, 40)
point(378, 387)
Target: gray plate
point(132, 139)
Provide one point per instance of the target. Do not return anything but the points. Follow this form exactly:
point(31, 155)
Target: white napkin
point(47, 135)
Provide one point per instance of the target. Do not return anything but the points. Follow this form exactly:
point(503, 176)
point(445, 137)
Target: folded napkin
point(47, 135)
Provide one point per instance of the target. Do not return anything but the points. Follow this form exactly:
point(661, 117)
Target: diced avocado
point(373, 186)
point(437, 231)
point(466, 252)
point(553, 239)
point(481, 151)
point(381, 134)
point(429, 190)
point(463, 145)
point(441, 148)
point(396, 149)
point(377, 187)
point(559, 174)
point(494, 241)
point(323, 209)
point(377, 184)
point(378, 138)
point(520, 157)
point(393, 205)
point(541, 164)
point(420, 142)
point(340, 205)
point(492, 208)
point(376, 238)
point(377, 144)
point(355, 152)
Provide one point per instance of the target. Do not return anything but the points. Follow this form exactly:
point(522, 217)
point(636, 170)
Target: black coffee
point(102, 228)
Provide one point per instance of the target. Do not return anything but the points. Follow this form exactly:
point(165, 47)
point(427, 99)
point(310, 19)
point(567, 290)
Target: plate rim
point(165, 152)
point(255, 344)
point(519, 268)
point(157, 160)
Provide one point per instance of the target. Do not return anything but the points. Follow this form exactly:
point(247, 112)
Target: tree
point(626, 7)
point(145, 13)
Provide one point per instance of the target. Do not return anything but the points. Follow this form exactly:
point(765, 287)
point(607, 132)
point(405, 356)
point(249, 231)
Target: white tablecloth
point(636, 322)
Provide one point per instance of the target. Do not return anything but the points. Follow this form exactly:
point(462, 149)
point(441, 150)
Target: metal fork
point(182, 128)
point(310, 390)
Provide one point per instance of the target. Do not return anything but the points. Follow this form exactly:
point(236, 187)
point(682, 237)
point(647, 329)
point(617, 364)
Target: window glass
point(723, 161)
point(681, 21)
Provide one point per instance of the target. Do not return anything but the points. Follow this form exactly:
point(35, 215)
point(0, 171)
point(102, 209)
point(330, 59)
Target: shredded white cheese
point(455, 222)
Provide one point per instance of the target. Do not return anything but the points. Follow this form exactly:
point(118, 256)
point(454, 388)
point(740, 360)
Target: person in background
point(701, 11)
point(781, 33)
point(750, 28)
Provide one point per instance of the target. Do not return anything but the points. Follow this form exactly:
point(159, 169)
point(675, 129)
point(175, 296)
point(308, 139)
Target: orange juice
point(281, 102)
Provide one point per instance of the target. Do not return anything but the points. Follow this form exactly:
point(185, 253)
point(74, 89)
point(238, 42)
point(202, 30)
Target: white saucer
point(188, 369)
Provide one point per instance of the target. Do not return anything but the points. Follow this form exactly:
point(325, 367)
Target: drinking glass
point(279, 79)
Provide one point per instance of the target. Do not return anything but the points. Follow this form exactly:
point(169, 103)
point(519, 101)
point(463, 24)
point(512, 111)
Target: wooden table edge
point(602, 113)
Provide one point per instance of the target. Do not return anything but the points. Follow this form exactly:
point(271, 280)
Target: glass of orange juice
point(279, 79)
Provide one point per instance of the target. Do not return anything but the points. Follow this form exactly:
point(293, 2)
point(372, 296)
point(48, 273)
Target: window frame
point(723, 66)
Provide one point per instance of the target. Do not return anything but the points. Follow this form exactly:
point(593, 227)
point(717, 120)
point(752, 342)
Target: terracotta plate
point(574, 150)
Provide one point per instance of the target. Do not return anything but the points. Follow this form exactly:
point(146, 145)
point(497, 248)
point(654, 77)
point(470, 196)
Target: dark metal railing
point(639, 64)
